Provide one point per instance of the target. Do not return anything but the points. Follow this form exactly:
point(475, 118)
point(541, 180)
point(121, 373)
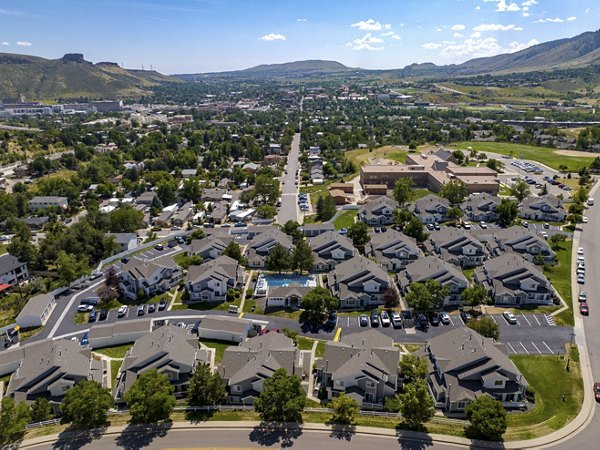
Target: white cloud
point(587, 10)
point(371, 25)
point(502, 6)
point(478, 7)
point(475, 47)
point(301, 20)
point(528, 3)
point(526, 14)
point(24, 43)
point(438, 29)
point(457, 27)
point(5, 43)
point(555, 20)
point(496, 27)
point(365, 43)
point(391, 34)
point(272, 37)
point(571, 19)
point(431, 45)
point(476, 34)
point(457, 35)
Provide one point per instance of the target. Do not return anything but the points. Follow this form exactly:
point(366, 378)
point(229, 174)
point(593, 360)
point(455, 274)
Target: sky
point(194, 36)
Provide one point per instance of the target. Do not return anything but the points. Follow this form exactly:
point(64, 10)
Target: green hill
point(71, 76)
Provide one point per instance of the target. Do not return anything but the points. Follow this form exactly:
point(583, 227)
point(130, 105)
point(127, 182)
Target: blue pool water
point(286, 279)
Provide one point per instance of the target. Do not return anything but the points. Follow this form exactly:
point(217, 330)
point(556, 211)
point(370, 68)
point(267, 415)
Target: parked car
point(122, 311)
point(509, 317)
point(85, 308)
point(444, 318)
point(90, 301)
point(95, 275)
point(580, 251)
point(525, 224)
point(422, 321)
point(332, 319)
point(141, 310)
point(580, 278)
point(434, 319)
point(584, 219)
point(125, 260)
point(151, 308)
point(584, 309)
point(374, 319)
point(582, 296)
point(597, 391)
point(85, 339)
point(159, 247)
point(93, 316)
point(343, 231)
point(466, 316)
point(103, 314)
point(363, 320)
point(162, 304)
point(483, 225)
point(396, 320)
point(385, 319)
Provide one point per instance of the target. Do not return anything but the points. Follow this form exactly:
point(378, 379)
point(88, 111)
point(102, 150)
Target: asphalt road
point(289, 190)
point(205, 439)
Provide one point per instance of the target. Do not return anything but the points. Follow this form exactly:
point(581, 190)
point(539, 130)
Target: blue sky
point(188, 36)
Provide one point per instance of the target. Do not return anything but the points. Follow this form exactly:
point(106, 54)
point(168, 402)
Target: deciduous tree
point(206, 388)
point(454, 191)
point(13, 418)
point(488, 419)
point(345, 409)
point(359, 233)
point(416, 403)
point(150, 398)
point(520, 189)
point(302, 257)
point(278, 259)
point(403, 191)
point(319, 302)
point(86, 405)
point(413, 368)
point(282, 398)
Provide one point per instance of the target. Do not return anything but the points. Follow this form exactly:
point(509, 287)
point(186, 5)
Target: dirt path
point(577, 153)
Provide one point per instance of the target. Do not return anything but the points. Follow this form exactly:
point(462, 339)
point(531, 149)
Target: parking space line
point(357, 320)
point(461, 319)
point(548, 347)
point(524, 347)
point(532, 343)
point(512, 348)
point(526, 319)
point(536, 319)
point(494, 319)
point(348, 321)
point(337, 335)
point(451, 321)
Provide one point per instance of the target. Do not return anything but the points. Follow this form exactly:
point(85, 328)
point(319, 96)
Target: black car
point(434, 319)
point(159, 247)
point(93, 316)
point(162, 304)
point(332, 320)
point(374, 318)
point(151, 308)
point(363, 320)
point(90, 301)
point(103, 314)
point(466, 316)
point(422, 321)
point(125, 260)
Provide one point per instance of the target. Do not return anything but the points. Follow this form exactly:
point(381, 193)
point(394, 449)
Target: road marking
point(337, 335)
point(451, 321)
point(548, 347)
point(550, 320)
point(524, 347)
point(526, 319)
point(461, 319)
point(358, 321)
point(241, 315)
point(511, 347)
point(349, 320)
point(536, 319)
point(494, 319)
point(536, 348)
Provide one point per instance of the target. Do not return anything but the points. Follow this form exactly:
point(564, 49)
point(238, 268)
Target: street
point(289, 189)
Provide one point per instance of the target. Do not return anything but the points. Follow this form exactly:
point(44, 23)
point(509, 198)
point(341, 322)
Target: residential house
point(378, 211)
point(184, 214)
point(289, 296)
point(358, 282)
point(433, 268)
point(210, 247)
point(223, 328)
point(146, 198)
point(463, 365)
point(104, 334)
point(522, 241)
point(48, 202)
point(481, 207)
point(456, 246)
point(431, 209)
point(210, 281)
point(12, 271)
point(147, 278)
point(163, 219)
point(218, 213)
point(125, 241)
point(510, 280)
point(340, 197)
point(36, 223)
point(329, 249)
point(392, 249)
point(547, 207)
point(245, 368)
point(169, 349)
point(314, 229)
point(189, 173)
point(52, 369)
point(37, 311)
point(363, 365)
point(261, 245)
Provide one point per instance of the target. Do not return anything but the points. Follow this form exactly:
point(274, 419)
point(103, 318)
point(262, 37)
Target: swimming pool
point(287, 279)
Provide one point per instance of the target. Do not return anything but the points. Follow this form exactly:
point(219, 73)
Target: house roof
point(222, 268)
point(36, 305)
point(123, 238)
point(433, 268)
point(8, 263)
point(223, 323)
point(141, 269)
point(329, 241)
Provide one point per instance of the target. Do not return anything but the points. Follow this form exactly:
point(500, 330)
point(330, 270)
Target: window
point(461, 405)
point(237, 388)
point(498, 383)
point(370, 384)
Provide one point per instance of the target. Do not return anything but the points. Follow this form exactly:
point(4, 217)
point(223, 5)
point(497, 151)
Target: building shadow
point(274, 433)
point(139, 436)
point(72, 438)
point(342, 432)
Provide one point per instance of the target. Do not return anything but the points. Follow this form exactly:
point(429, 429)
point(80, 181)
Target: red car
point(597, 391)
point(584, 309)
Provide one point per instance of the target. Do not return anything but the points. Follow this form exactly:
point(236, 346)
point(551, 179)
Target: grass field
point(548, 378)
point(3, 249)
point(305, 343)
point(114, 352)
point(361, 156)
point(219, 347)
point(547, 156)
point(560, 277)
point(10, 307)
point(114, 371)
point(345, 219)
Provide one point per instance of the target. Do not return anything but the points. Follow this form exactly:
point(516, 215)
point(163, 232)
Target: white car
point(580, 251)
point(385, 319)
point(122, 311)
point(85, 308)
point(444, 318)
point(585, 219)
point(580, 259)
point(510, 317)
point(483, 225)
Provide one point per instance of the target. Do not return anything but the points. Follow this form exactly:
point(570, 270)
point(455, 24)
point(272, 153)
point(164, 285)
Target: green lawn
point(306, 343)
point(547, 156)
point(6, 379)
point(2, 249)
point(361, 156)
point(549, 380)
point(249, 303)
point(560, 277)
point(219, 346)
point(114, 371)
point(345, 219)
point(420, 193)
point(114, 352)
point(206, 306)
point(10, 307)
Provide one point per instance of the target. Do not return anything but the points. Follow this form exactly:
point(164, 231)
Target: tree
point(413, 368)
point(419, 297)
point(414, 229)
point(278, 259)
point(438, 292)
point(474, 295)
point(150, 398)
point(345, 409)
point(41, 410)
point(416, 403)
point(319, 302)
point(359, 233)
point(126, 219)
point(70, 267)
point(191, 190)
point(13, 418)
point(487, 417)
point(401, 216)
point(520, 189)
point(292, 229)
point(454, 213)
point(392, 404)
point(325, 207)
point(86, 405)
point(544, 190)
point(282, 398)
point(403, 192)
point(485, 326)
point(302, 257)
point(454, 191)
point(508, 211)
point(556, 239)
point(266, 188)
point(391, 298)
point(494, 164)
point(233, 250)
point(206, 388)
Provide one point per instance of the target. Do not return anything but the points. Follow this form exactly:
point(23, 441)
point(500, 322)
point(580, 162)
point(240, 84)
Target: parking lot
point(538, 174)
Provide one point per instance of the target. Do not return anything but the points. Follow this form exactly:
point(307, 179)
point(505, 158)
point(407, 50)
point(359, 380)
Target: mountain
point(71, 76)
point(311, 67)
